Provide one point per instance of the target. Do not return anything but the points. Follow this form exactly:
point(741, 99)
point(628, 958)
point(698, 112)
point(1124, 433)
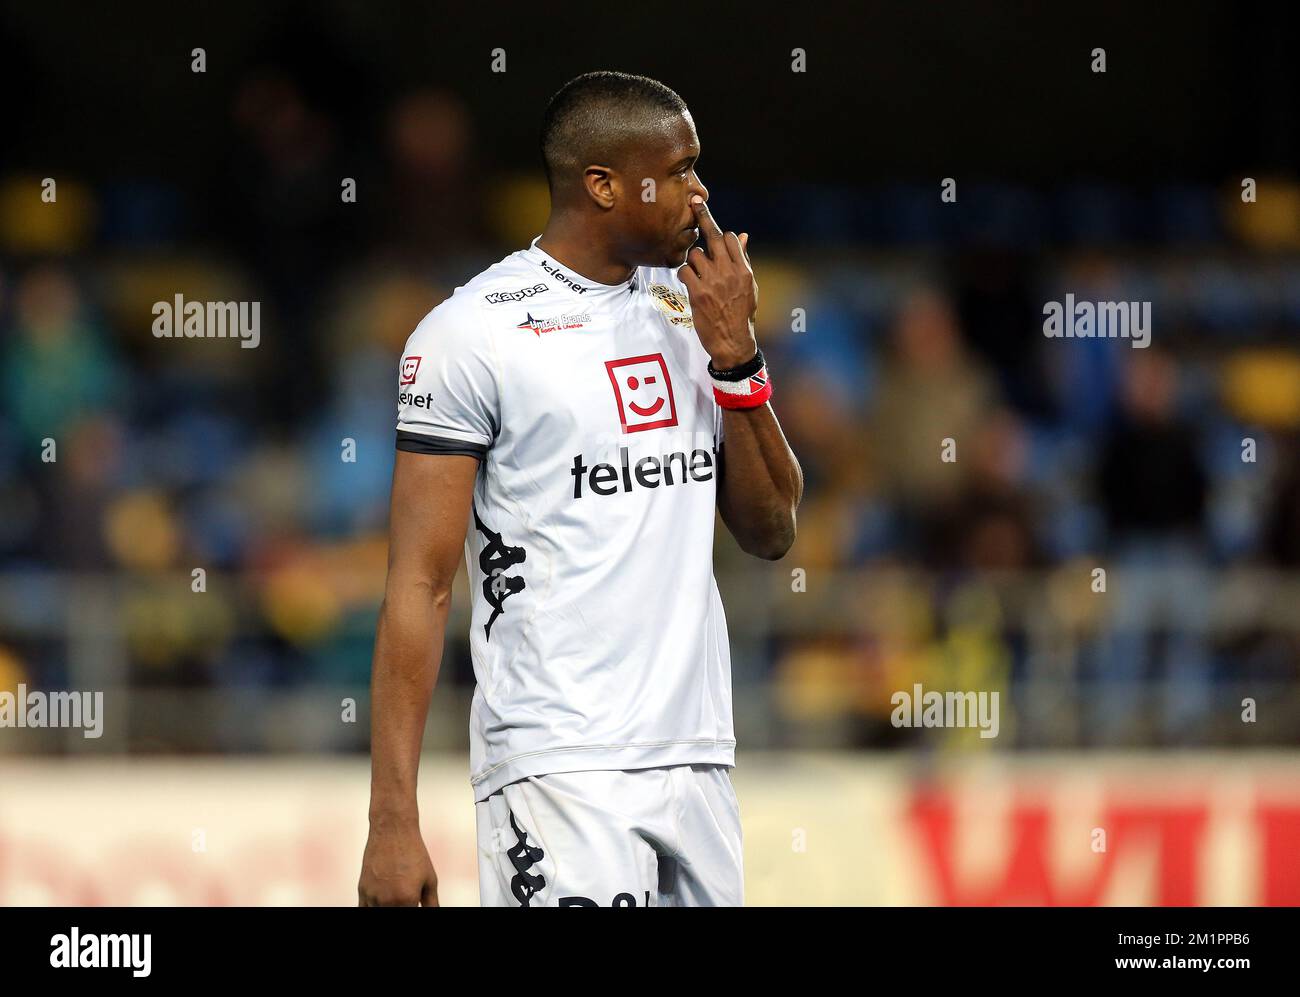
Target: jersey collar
point(582, 287)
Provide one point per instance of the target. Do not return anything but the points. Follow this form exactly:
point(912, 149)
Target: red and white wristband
point(746, 386)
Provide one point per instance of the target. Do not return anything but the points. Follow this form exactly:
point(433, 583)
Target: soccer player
point(572, 416)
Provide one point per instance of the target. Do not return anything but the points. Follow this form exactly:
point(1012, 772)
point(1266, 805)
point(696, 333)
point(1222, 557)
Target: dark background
point(893, 91)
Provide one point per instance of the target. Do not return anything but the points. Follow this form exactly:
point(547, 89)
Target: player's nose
point(697, 187)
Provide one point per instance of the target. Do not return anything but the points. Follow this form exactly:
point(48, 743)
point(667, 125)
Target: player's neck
point(574, 247)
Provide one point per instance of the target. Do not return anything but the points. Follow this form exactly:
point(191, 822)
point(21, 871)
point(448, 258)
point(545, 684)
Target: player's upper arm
point(448, 416)
point(428, 518)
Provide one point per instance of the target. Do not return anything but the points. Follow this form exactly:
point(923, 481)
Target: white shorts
point(662, 837)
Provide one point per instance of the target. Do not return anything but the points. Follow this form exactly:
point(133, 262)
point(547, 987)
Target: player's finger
point(688, 277)
point(744, 251)
point(697, 261)
point(709, 228)
point(734, 247)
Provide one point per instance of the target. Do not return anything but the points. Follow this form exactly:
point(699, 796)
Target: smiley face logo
point(644, 412)
point(410, 367)
point(643, 392)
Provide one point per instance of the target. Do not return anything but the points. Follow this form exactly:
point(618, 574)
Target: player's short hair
point(595, 117)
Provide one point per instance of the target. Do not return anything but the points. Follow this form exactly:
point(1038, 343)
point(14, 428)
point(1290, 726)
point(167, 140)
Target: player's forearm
point(762, 483)
point(408, 652)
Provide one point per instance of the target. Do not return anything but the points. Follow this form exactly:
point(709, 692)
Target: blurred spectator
point(1152, 486)
point(990, 524)
point(432, 206)
point(930, 390)
point(58, 366)
point(287, 214)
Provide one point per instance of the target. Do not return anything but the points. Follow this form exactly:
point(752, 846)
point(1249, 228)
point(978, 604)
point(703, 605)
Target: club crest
point(672, 303)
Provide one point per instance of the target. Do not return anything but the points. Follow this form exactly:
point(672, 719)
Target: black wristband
point(747, 369)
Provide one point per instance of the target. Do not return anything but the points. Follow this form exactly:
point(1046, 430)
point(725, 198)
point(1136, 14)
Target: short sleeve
point(447, 400)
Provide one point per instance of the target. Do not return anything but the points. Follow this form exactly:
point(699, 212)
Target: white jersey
point(598, 635)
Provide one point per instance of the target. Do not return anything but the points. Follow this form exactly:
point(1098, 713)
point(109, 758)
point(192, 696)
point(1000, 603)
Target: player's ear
point(600, 184)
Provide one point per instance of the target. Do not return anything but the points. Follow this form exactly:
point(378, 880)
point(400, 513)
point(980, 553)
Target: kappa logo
point(523, 857)
point(571, 320)
point(500, 297)
point(643, 392)
point(672, 303)
point(493, 560)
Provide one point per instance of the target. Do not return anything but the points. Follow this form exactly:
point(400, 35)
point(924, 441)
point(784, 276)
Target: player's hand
point(396, 871)
point(723, 293)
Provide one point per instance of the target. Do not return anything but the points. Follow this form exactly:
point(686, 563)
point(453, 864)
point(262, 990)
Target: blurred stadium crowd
point(923, 322)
